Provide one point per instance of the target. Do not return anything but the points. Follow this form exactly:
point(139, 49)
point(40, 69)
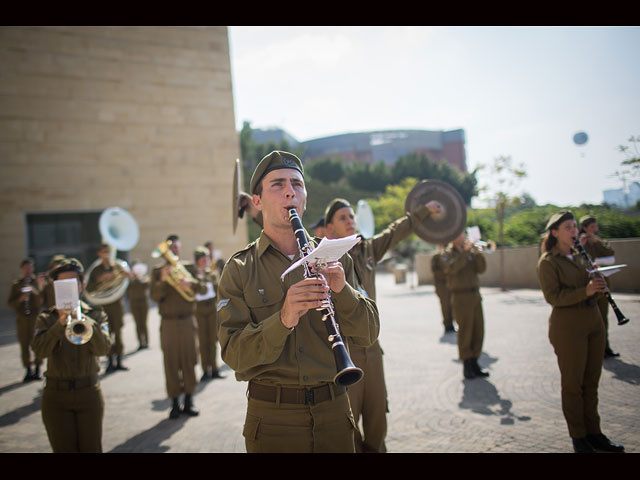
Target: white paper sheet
point(66, 292)
point(608, 271)
point(604, 261)
point(328, 250)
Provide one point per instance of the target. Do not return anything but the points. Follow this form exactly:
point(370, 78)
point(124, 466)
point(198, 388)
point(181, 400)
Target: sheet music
point(605, 260)
point(66, 292)
point(328, 250)
point(211, 293)
point(608, 271)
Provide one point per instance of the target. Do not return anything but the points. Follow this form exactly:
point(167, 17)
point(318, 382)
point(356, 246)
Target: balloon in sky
point(580, 138)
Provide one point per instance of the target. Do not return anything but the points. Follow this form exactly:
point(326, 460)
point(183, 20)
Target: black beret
point(335, 205)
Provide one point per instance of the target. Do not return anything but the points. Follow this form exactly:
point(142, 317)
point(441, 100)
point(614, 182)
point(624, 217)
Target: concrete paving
point(432, 408)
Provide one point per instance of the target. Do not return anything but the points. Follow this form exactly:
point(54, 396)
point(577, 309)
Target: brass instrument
point(365, 219)
point(619, 315)
point(120, 231)
point(77, 330)
point(347, 372)
point(178, 274)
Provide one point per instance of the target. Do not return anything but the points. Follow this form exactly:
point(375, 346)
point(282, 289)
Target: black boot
point(175, 409)
point(582, 445)
point(28, 376)
point(119, 365)
point(467, 370)
point(477, 370)
point(36, 373)
point(600, 442)
point(189, 408)
point(111, 366)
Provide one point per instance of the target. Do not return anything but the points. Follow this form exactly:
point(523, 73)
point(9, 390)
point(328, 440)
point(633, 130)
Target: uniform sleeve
point(100, 342)
point(245, 344)
point(159, 288)
point(356, 314)
point(479, 262)
point(48, 333)
point(14, 296)
point(556, 294)
point(396, 232)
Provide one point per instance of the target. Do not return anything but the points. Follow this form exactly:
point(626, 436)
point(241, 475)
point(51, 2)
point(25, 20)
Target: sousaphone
point(444, 226)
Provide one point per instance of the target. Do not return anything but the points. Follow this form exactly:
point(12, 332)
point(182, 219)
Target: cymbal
point(446, 225)
point(236, 212)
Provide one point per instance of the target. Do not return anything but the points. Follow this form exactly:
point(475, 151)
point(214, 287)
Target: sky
point(522, 92)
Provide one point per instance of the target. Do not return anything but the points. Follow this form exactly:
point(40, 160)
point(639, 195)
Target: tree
point(327, 170)
point(504, 178)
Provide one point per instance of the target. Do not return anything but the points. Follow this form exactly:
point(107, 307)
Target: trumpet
point(77, 331)
point(619, 315)
point(482, 246)
point(347, 372)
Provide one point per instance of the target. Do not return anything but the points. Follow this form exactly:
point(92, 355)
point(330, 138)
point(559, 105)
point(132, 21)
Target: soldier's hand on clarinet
point(334, 273)
point(303, 296)
point(596, 285)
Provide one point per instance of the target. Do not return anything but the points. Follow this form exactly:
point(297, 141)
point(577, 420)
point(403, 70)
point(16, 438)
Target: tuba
point(120, 230)
point(177, 273)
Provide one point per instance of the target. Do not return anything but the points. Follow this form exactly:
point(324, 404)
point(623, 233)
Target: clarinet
point(621, 318)
point(27, 304)
point(347, 372)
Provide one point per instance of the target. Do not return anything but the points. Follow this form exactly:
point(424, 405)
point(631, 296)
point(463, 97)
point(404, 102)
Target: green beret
point(335, 205)
point(557, 218)
point(200, 252)
point(67, 265)
point(274, 161)
point(586, 220)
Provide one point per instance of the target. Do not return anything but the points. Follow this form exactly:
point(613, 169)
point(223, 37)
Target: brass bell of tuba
point(120, 231)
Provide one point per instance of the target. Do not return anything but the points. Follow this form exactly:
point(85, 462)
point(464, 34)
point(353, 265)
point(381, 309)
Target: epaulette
point(243, 250)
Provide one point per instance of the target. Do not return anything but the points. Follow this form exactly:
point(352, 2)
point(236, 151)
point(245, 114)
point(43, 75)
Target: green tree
point(326, 170)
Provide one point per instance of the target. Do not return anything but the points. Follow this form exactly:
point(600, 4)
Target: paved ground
point(433, 409)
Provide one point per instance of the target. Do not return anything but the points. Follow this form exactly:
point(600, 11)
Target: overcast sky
point(522, 92)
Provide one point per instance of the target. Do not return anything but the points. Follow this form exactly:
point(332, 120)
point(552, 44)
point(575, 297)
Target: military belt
point(464, 290)
point(71, 384)
point(184, 316)
point(299, 396)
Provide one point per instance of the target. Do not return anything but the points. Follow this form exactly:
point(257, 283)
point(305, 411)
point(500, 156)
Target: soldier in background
point(104, 272)
point(138, 293)
point(597, 247)
point(178, 331)
point(25, 299)
point(72, 400)
point(206, 315)
point(440, 283)
point(45, 284)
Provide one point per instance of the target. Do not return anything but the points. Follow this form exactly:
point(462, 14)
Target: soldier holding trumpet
point(72, 400)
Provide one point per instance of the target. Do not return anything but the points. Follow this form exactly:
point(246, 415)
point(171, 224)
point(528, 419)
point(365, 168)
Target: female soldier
point(576, 332)
point(72, 401)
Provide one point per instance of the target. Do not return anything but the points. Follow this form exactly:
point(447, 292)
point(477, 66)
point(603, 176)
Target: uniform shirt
point(462, 268)
point(439, 276)
point(66, 360)
point(137, 290)
point(563, 279)
point(170, 302)
point(368, 252)
point(35, 298)
point(253, 340)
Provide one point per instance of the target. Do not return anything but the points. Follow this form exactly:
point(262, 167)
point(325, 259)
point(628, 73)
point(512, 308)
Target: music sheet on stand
point(328, 250)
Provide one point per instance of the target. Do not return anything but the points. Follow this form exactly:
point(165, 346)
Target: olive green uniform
point(207, 323)
point(595, 250)
point(440, 283)
point(462, 269)
point(48, 295)
point(72, 400)
point(369, 396)
point(293, 404)
point(178, 333)
point(114, 310)
point(577, 333)
point(26, 313)
point(137, 292)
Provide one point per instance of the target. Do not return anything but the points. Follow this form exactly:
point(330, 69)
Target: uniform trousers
point(25, 327)
point(115, 313)
point(467, 310)
point(368, 399)
point(603, 306)
point(445, 304)
point(325, 427)
point(578, 339)
point(179, 347)
point(73, 419)
point(140, 312)
point(208, 339)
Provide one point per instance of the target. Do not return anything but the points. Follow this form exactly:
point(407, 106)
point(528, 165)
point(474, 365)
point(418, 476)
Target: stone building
point(141, 118)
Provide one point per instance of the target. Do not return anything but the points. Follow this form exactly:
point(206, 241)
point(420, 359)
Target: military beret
point(335, 205)
point(200, 252)
point(274, 161)
point(319, 223)
point(172, 238)
point(557, 218)
point(27, 261)
point(586, 220)
point(55, 260)
point(67, 265)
